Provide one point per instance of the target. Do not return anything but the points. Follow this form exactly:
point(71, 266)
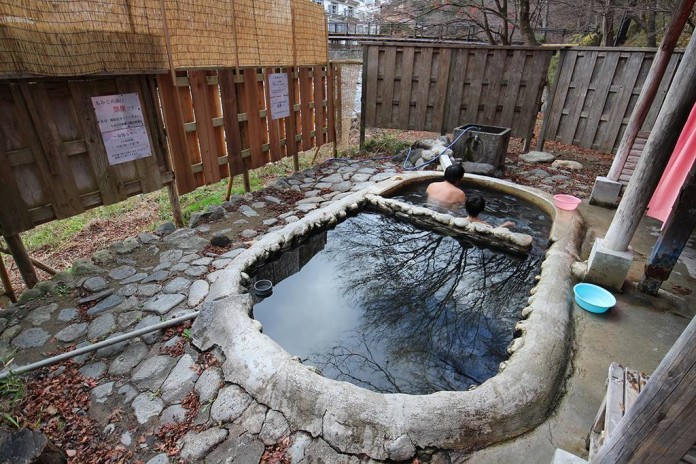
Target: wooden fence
point(219, 122)
point(594, 92)
point(438, 88)
point(53, 164)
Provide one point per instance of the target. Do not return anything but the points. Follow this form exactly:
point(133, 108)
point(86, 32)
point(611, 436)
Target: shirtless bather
point(447, 190)
point(474, 205)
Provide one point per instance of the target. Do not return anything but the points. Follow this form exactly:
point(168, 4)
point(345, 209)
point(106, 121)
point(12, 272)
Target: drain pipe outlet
point(96, 346)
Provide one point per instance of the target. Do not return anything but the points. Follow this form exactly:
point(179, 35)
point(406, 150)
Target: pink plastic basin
point(567, 202)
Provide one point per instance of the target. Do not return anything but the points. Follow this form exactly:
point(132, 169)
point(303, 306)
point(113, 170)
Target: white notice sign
point(122, 126)
point(280, 97)
point(126, 144)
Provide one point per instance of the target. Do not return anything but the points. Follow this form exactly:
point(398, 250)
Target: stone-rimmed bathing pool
point(355, 420)
point(394, 308)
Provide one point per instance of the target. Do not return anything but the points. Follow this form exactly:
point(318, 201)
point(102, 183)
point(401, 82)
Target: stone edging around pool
point(496, 237)
point(392, 426)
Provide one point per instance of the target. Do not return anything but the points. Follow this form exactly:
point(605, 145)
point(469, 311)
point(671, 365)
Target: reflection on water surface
point(392, 308)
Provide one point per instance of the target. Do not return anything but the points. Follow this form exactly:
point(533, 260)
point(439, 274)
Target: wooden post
point(338, 104)
point(527, 144)
point(295, 158)
point(176, 206)
point(363, 99)
point(179, 152)
point(650, 87)
point(675, 233)
point(6, 284)
point(167, 41)
point(247, 181)
point(228, 194)
point(44, 267)
point(660, 427)
point(233, 136)
point(314, 158)
point(549, 104)
point(330, 102)
point(21, 257)
point(673, 115)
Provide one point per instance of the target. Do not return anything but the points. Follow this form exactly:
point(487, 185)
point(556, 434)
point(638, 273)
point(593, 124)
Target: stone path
point(543, 171)
point(155, 277)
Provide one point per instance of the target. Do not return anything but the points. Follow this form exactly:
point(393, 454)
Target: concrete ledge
point(393, 426)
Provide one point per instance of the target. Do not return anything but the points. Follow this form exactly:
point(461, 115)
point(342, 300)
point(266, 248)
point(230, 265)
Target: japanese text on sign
point(122, 126)
point(279, 95)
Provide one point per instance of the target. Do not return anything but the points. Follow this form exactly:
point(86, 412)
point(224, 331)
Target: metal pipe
point(96, 346)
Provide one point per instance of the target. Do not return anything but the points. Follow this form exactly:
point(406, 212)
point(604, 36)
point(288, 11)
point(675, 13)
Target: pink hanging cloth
point(679, 165)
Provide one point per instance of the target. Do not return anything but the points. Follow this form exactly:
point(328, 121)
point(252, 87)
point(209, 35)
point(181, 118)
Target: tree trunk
point(505, 33)
point(487, 29)
point(525, 26)
point(608, 24)
point(622, 35)
point(650, 28)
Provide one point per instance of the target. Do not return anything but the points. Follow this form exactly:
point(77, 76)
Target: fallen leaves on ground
point(681, 290)
point(169, 434)
point(276, 454)
point(57, 404)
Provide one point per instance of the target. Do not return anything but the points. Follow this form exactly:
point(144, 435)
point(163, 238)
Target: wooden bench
point(623, 386)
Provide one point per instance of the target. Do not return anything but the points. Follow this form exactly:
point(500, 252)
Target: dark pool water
point(379, 303)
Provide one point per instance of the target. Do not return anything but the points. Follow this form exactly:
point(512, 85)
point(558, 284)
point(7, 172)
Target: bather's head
point(475, 204)
point(454, 174)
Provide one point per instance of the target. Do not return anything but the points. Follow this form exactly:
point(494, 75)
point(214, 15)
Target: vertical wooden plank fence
point(226, 118)
point(596, 91)
point(52, 162)
point(439, 87)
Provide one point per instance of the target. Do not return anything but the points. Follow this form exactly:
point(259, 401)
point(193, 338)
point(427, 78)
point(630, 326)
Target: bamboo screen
point(78, 37)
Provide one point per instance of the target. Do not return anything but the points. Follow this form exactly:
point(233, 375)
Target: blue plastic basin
point(593, 298)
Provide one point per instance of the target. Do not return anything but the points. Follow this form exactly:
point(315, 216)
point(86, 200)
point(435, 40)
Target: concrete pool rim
point(393, 426)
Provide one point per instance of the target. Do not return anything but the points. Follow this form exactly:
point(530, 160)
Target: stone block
point(605, 192)
point(244, 449)
point(20, 446)
point(608, 268)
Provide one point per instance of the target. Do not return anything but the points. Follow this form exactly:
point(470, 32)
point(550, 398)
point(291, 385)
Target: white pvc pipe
point(96, 346)
point(445, 161)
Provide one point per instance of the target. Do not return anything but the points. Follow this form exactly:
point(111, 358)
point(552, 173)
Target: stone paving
point(545, 172)
point(158, 276)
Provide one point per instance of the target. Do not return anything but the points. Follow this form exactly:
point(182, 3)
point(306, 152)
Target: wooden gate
point(438, 88)
point(595, 91)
